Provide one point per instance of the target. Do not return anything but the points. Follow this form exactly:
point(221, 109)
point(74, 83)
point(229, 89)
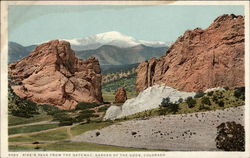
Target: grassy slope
point(32, 128)
point(14, 120)
point(58, 134)
point(79, 129)
point(63, 144)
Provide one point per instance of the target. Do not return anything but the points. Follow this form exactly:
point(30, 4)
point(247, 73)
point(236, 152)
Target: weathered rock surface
point(51, 74)
point(148, 99)
point(200, 59)
point(120, 95)
point(189, 132)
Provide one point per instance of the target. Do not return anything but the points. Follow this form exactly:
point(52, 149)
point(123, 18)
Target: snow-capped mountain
point(113, 38)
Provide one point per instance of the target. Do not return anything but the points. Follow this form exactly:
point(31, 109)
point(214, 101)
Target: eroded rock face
point(51, 74)
point(200, 59)
point(120, 95)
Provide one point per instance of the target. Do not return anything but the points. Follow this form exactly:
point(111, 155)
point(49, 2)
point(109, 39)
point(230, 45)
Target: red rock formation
point(51, 74)
point(200, 59)
point(120, 95)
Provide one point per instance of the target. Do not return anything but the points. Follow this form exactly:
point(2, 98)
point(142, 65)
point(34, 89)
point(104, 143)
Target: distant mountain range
point(111, 48)
point(112, 55)
point(17, 51)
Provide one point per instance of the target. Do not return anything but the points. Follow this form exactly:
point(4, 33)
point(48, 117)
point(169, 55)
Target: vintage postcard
point(124, 79)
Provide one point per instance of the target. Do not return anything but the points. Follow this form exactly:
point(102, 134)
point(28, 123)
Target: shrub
point(84, 106)
point(221, 103)
point(180, 100)
point(50, 109)
point(210, 93)
point(203, 107)
point(106, 102)
point(87, 111)
point(65, 123)
point(85, 116)
point(230, 137)
point(199, 94)
point(61, 116)
point(174, 108)
point(205, 100)
point(167, 106)
point(215, 99)
point(103, 108)
point(165, 102)
point(240, 93)
point(190, 102)
point(219, 94)
point(95, 115)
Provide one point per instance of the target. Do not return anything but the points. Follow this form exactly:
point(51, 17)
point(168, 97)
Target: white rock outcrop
point(148, 99)
point(214, 89)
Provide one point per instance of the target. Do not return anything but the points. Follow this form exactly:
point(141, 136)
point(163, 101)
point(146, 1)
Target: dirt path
point(68, 128)
point(48, 130)
point(34, 123)
point(69, 132)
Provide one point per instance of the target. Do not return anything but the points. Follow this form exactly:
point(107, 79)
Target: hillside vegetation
point(107, 69)
point(23, 111)
point(116, 76)
point(213, 100)
point(127, 82)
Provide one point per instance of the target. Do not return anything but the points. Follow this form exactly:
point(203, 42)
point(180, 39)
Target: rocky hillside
point(189, 132)
point(200, 59)
point(116, 76)
point(51, 74)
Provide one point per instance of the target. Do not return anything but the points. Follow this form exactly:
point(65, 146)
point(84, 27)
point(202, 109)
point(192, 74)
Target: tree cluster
point(230, 137)
point(168, 107)
point(20, 107)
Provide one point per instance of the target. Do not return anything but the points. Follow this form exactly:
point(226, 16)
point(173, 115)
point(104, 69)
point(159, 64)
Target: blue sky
point(35, 24)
